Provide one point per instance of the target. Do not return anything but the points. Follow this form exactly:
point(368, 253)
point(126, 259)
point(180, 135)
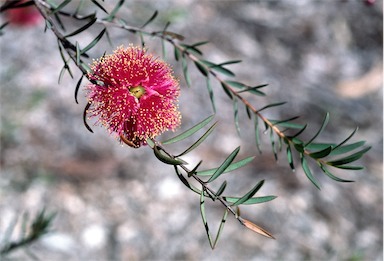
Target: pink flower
point(135, 96)
point(24, 16)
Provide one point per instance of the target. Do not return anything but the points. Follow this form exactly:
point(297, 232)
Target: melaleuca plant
point(134, 95)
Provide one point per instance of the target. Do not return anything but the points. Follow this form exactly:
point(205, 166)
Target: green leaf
point(165, 158)
point(85, 117)
point(194, 170)
point(321, 153)
point(323, 125)
point(236, 115)
point(349, 159)
point(290, 157)
point(257, 134)
point(77, 88)
point(81, 29)
point(329, 174)
point(203, 216)
point(254, 90)
point(199, 141)
point(308, 172)
point(231, 167)
point(150, 19)
point(348, 138)
point(248, 110)
point(115, 10)
point(94, 42)
point(185, 182)
point(236, 84)
point(349, 167)
point(61, 6)
point(78, 52)
point(100, 6)
point(299, 132)
point(211, 94)
point(221, 189)
point(191, 49)
point(222, 70)
point(346, 148)
point(319, 146)
point(184, 64)
point(190, 131)
point(220, 170)
point(176, 53)
point(229, 62)
point(224, 218)
point(251, 201)
point(249, 194)
point(226, 90)
point(272, 140)
point(271, 105)
point(201, 68)
point(287, 123)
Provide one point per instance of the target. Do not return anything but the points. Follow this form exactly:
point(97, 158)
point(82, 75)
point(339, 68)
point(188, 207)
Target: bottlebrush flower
point(135, 96)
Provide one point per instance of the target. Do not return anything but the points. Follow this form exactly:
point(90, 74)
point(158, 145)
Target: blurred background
point(117, 203)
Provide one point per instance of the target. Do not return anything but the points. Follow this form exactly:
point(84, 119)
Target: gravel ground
point(117, 203)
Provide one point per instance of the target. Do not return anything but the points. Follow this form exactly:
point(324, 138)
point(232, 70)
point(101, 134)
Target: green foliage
point(311, 153)
point(30, 233)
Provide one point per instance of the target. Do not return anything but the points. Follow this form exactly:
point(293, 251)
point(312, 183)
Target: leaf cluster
point(32, 230)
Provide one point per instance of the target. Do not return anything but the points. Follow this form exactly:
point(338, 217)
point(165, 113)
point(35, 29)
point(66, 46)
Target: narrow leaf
point(94, 42)
point(185, 182)
point(203, 216)
point(349, 167)
point(349, 159)
point(299, 132)
point(347, 139)
point(229, 62)
point(346, 148)
point(224, 165)
point(321, 154)
point(61, 6)
point(271, 105)
point(329, 174)
point(221, 189)
point(256, 228)
point(211, 94)
point(85, 117)
point(249, 194)
point(236, 115)
point(308, 172)
point(81, 29)
point(290, 157)
point(222, 223)
point(201, 68)
point(77, 88)
point(231, 167)
point(199, 141)
point(226, 90)
point(236, 84)
point(251, 201)
point(100, 6)
point(194, 170)
point(150, 19)
point(184, 64)
point(257, 134)
point(287, 123)
point(165, 158)
point(323, 125)
point(78, 52)
point(190, 131)
point(115, 10)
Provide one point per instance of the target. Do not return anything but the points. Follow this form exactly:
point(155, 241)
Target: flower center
point(137, 91)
